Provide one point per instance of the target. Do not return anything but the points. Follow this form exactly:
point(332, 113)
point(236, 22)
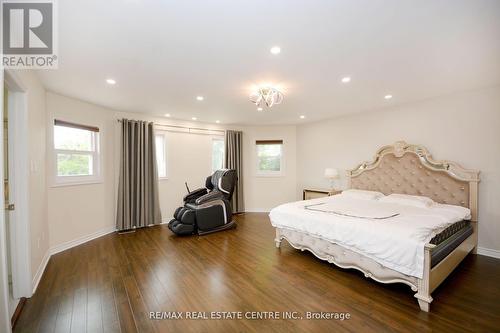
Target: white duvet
point(396, 242)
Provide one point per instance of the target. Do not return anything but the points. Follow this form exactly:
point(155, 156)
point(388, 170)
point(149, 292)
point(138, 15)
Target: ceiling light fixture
point(194, 118)
point(346, 79)
point(388, 96)
point(167, 114)
point(266, 96)
point(200, 98)
point(110, 81)
point(275, 50)
point(217, 121)
point(259, 109)
point(302, 117)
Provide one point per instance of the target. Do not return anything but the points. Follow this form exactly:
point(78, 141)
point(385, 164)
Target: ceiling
point(163, 54)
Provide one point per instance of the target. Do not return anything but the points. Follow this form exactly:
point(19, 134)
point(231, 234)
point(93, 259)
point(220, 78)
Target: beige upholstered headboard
point(410, 169)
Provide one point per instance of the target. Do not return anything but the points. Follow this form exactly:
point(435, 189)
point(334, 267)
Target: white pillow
point(409, 200)
point(362, 194)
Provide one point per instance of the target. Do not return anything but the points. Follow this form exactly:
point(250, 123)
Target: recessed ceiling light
point(302, 117)
point(388, 96)
point(110, 81)
point(217, 121)
point(259, 109)
point(275, 50)
point(200, 98)
point(167, 114)
point(346, 79)
point(194, 118)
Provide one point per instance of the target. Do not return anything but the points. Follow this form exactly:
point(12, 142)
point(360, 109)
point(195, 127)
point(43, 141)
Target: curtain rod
point(222, 132)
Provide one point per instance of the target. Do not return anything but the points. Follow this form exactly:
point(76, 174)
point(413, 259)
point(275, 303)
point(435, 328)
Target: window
point(76, 150)
point(217, 154)
point(269, 157)
point(161, 154)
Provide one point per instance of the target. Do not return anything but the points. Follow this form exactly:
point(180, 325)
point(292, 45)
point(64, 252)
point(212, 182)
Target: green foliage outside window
point(269, 157)
point(74, 165)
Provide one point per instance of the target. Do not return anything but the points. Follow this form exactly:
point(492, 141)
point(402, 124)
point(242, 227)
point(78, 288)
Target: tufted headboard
point(410, 169)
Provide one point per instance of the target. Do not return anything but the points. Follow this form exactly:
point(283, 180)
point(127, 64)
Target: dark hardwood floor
point(112, 283)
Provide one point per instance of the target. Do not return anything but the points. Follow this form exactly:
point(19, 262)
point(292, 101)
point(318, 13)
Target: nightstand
point(310, 193)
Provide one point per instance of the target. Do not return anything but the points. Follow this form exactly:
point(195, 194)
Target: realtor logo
point(29, 34)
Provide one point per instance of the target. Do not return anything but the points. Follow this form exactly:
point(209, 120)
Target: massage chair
point(208, 209)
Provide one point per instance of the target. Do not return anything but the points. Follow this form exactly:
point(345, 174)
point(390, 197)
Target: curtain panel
point(138, 200)
point(234, 160)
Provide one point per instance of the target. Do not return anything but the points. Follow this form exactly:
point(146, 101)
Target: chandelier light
point(266, 96)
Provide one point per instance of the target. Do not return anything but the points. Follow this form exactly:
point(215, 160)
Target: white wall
point(462, 127)
point(77, 211)
point(261, 193)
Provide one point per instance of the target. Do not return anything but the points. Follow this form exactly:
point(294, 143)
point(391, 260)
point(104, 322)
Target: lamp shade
point(331, 173)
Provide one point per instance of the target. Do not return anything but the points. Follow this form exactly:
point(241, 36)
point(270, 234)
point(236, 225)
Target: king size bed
point(406, 219)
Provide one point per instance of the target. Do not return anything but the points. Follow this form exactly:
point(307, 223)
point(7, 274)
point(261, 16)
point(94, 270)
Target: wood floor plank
point(112, 283)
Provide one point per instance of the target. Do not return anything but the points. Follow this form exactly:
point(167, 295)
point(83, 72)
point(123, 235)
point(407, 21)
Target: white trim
point(163, 134)
point(80, 240)
point(59, 181)
point(40, 271)
point(19, 186)
point(268, 173)
point(488, 252)
point(257, 210)
point(92, 182)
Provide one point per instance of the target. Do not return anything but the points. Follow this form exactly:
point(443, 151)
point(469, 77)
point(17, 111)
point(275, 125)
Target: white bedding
point(396, 242)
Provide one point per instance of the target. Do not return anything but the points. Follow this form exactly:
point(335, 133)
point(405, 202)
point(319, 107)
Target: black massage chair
point(208, 209)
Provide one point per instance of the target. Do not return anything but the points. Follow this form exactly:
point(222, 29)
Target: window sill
point(92, 182)
point(162, 178)
point(269, 175)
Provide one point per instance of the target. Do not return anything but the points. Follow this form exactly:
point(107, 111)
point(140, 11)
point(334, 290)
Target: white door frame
point(18, 181)
point(4, 284)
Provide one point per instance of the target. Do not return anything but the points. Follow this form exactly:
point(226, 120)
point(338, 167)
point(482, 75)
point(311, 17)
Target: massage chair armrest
point(214, 195)
point(193, 195)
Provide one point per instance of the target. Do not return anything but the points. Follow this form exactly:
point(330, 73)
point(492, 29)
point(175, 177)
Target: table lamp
point(331, 174)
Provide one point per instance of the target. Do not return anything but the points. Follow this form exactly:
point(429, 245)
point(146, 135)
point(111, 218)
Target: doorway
point(15, 193)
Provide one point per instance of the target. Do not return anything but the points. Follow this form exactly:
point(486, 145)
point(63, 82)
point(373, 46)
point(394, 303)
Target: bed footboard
point(345, 258)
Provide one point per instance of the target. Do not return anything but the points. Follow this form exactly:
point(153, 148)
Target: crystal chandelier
point(267, 96)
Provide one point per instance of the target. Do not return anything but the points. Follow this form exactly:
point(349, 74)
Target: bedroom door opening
point(15, 193)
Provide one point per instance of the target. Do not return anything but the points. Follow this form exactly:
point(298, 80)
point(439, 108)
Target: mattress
point(449, 239)
point(396, 242)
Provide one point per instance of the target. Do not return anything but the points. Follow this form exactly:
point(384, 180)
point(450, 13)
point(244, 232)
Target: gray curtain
point(138, 201)
point(234, 160)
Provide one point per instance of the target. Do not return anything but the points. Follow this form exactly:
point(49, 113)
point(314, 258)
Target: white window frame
point(269, 173)
point(77, 180)
point(212, 152)
point(163, 134)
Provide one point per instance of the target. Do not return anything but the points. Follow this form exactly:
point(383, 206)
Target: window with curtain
point(161, 154)
point(217, 154)
point(269, 156)
point(76, 150)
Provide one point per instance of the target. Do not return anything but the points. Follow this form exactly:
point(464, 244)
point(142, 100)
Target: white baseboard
point(256, 210)
point(488, 252)
point(40, 270)
point(80, 240)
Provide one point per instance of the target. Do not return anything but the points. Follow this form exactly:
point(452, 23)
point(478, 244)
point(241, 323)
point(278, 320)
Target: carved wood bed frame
point(408, 169)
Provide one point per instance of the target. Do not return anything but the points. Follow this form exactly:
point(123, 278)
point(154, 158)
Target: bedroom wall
point(80, 211)
point(461, 127)
point(262, 193)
